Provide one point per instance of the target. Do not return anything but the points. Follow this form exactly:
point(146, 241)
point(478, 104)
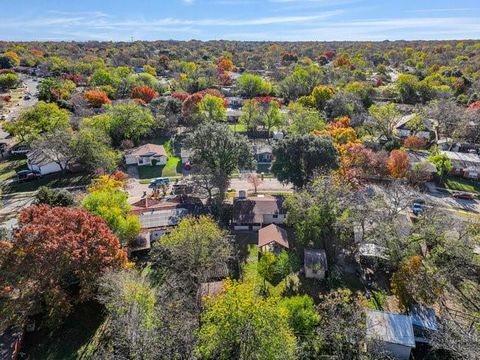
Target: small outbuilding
point(315, 263)
point(390, 333)
point(424, 323)
point(272, 238)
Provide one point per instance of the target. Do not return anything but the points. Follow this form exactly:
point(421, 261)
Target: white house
point(39, 161)
point(315, 263)
point(148, 154)
point(391, 333)
point(464, 164)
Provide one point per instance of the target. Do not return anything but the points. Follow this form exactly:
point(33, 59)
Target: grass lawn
point(9, 168)
point(173, 167)
point(460, 184)
point(237, 127)
point(53, 181)
point(76, 339)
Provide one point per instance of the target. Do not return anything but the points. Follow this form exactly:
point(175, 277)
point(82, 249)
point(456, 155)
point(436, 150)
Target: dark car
point(464, 195)
point(417, 209)
point(27, 97)
point(21, 149)
point(27, 175)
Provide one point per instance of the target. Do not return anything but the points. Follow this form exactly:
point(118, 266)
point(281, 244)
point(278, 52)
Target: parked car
point(19, 149)
point(417, 209)
point(27, 175)
point(3, 117)
point(464, 195)
point(27, 97)
point(161, 181)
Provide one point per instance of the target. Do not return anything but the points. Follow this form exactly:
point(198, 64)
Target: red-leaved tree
point(145, 93)
point(414, 143)
point(54, 261)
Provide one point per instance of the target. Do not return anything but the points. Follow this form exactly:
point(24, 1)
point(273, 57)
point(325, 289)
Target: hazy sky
point(239, 19)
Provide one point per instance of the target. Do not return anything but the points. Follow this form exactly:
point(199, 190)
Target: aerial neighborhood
point(240, 200)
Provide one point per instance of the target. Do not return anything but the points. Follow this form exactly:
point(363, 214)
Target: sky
point(267, 20)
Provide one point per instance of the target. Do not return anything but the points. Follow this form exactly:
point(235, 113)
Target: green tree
point(297, 159)
point(8, 81)
point(53, 197)
point(240, 325)
point(302, 315)
point(219, 152)
point(251, 116)
point(273, 117)
point(129, 122)
point(213, 108)
point(92, 150)
point(253, 85)
point(196, 249)
point(111, 204)
point(443, 164)
point(384, 119)
point(303, 120)
point(42, 118)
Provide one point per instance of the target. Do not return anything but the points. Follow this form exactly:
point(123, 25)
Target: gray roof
point(390, 328)
point(423, 317)
point(314, 257)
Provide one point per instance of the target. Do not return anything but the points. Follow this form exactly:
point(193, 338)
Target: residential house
point(263, 153)
point(424, 323)
point(156, 217)
point(390, 333)
point(185, 154)
point(148, 154)
point(419, 160)
point(254, 213)
point(315, 263)
point(272, 238)
point(233, 115)
point(38, 160)
point(464, 164)
point(408, 126)
point(234, 102)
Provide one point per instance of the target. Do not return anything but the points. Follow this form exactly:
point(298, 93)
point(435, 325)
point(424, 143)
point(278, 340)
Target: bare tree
point(56, 147)
point(254, 180)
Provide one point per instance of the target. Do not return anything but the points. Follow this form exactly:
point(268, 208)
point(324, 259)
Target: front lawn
point(52, 181)
point(173, 168)
point(461, 184)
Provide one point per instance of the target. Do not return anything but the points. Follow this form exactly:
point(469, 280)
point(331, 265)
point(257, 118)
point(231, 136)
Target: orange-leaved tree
point(96, 98)
point(145, 93)
point(398, 163)
point(414, 143)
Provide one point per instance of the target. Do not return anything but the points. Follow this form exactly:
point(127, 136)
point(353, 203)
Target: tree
point(303, 120)
point(398, 163)
point(144, 93)
point(319, 97)
point(56, 257)
point(51, 89)
point(129, 121)
point(111, 204)
point(196, 249)
point(240, 325)
point(219, 152)
point(253, 85)
point(97, 98)
point(443, 164)
point(251, 116)
point(273, 117)
point(297, 159)
point(9, 59)
point(301, 82)
point(8, 81)
point(385, 118)
point(53, 197)
point(213, 108)
point(40, 119)
point(56, 147)
point(92, 149)
point(303, 318)
point(414, 143)
point(254, 180)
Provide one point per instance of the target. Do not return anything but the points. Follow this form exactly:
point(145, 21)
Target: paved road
point(31, 89)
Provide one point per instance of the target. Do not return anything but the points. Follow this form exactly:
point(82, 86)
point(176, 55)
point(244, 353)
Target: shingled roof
point(251, 210)
point(273, 233)
point(147, 149)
